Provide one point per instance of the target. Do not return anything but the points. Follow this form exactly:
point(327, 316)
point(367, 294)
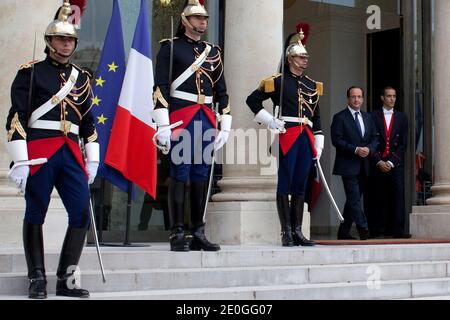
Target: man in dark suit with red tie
point(389, 176)
point(354, 136)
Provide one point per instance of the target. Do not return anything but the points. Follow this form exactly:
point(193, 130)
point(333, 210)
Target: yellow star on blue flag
point(102, 119)
point(99, 82)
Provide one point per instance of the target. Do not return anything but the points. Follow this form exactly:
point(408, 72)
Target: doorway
point(385, 61)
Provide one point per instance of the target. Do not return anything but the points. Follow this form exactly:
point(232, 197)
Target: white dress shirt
point(388, 116)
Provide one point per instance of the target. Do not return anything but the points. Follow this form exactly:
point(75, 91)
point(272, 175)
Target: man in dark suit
point(389, 176)
point(354, 136)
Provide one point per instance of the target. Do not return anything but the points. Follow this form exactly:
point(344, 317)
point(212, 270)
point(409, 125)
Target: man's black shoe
point(63, 290)
point(37, 289)
point(286, 239)
point(403, 236)
point(179, 243)
point(200, 242)
point(300, 240)
point(363, 234)
point(346, 236)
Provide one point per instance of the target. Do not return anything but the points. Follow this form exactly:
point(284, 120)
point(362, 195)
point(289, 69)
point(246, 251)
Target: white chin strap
point(190, 26)
point(59, 54)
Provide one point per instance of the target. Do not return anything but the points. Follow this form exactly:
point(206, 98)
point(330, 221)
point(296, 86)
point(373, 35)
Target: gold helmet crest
point(297, 43)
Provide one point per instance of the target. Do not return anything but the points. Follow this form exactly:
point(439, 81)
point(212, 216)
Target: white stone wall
point(19, 22)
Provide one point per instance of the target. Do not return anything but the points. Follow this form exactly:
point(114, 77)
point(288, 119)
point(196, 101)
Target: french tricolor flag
point(131, 150)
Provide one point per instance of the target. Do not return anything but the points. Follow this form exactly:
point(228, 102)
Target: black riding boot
point(283, 214)
point(176, 197)
point(297, 208)
point(199, 192)
point(67, 283)
point(34, 254)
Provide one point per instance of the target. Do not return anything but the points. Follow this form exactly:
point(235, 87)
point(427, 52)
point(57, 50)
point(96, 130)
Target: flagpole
point(102, 210)
point(127, 228)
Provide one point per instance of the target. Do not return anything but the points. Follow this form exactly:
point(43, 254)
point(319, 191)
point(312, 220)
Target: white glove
point(224, 134)
point(161, 117)
point(319, 142)
point(270, 121)
point(19, 176)
point(276, 124)
point(221, 139)
point(91, 168)
point(164, 135)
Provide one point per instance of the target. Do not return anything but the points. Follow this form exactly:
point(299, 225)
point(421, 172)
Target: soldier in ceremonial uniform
point(50, 113)
point(301, 139)
point(188, 94)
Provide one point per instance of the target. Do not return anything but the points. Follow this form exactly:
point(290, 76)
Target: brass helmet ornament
point(297, 42)
point(194, 8)
point(62, 26)
point(165, 3)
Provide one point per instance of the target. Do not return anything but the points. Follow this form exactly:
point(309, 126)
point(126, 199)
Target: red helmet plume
point(80, 3)
point(305, 27)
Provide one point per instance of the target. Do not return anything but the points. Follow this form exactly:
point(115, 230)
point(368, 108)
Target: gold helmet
point(194, 8)
point(61, 26)
point(297, 43)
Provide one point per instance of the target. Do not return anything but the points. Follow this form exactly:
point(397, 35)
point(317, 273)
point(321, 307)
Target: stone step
point(399, 289)
point(158, 256)
point(159, 279)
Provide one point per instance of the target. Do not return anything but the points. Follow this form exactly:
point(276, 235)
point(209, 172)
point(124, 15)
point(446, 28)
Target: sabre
point(34, 162)
point(164, 149)
point(171, 54)
point(94, 230)
point(280, 113)
point(324, 181)
point(211, 173)
point(94, 227)
point(30, 91)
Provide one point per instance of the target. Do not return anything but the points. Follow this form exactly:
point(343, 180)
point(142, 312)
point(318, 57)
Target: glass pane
point(385, 5)
point(149, 218)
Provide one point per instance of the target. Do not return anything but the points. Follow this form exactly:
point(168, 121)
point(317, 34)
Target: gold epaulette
point(84, 70)
point(28, 65)
point(268, 85)
point(168, 39)
point(319, 87)
point(213, 45)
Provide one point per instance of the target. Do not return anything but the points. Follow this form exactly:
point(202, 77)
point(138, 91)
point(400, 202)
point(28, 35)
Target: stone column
point(245, 211)
point(433, 221)
point(19, 22)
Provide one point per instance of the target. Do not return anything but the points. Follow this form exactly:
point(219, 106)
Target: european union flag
point(106, 90)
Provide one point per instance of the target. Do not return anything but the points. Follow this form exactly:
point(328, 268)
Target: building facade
point(370, 43)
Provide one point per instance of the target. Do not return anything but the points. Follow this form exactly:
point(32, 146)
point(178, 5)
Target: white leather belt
point(56, 99)
point(64, 126)
point(191, 70)
point(200, 99)
point(304, 121)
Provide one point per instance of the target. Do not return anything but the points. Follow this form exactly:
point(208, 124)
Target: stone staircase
point(249, 273)
point(12, 209)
